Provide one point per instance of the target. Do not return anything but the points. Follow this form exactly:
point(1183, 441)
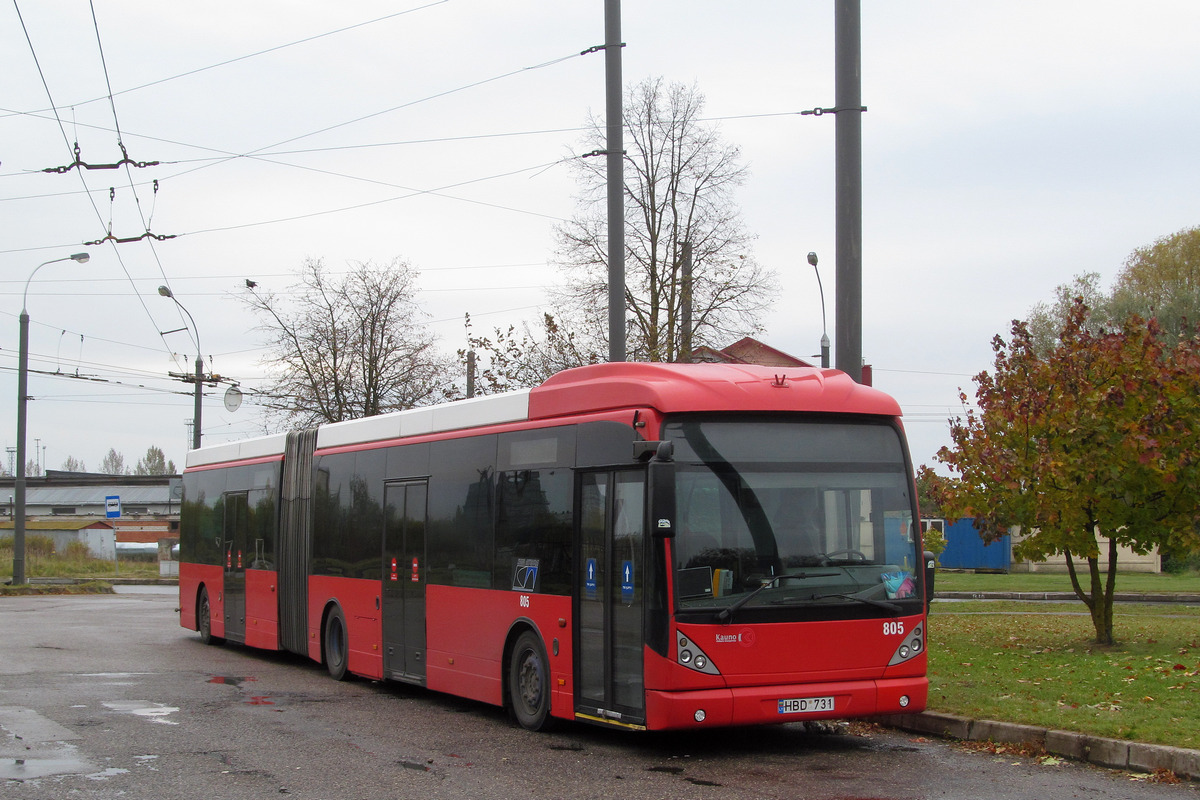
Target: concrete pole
point(616, 180)
point(22, 401)
point(199, 390)
point(848, 157)
point(19, 486)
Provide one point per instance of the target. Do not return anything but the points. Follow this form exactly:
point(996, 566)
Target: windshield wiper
point(727, 612)
point(892, 608)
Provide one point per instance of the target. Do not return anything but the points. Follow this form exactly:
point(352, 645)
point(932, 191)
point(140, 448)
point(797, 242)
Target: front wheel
point(337, 645)
point(204, 619)
point(529, 683)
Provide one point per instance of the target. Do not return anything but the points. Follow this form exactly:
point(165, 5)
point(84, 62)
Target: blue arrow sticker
point(590, 581)
point(627, 582)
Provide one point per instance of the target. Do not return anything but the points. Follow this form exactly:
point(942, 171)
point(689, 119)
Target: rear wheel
point(337, 645)
point(529, 683)
point(204, 619)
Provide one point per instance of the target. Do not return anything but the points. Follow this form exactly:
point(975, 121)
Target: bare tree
point(113, 463)
point(73, 464)
point(523, 358)
point(679, 185)
point(349, 346)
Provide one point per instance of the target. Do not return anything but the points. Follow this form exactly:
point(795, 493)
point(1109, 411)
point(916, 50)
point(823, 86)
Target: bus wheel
point(529, 683)
point(204, 619)
point(337, 645)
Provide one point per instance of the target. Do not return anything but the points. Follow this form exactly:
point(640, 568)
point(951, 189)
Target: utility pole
point(199, 379)
point(616, 179)
point(847, 26)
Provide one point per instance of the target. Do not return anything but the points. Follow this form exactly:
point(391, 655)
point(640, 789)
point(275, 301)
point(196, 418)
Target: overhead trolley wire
point(247, 56)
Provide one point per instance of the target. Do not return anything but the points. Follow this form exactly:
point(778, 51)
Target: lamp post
point(812, 259)
point(166, 292)
point(22, 397)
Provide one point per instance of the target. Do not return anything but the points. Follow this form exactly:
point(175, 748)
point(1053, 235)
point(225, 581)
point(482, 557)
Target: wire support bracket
point(816, 112)
point(125, 161)
point(160, 237)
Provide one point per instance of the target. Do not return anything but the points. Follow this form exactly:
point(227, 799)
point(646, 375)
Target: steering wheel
point(753, 580)
point(853, 555)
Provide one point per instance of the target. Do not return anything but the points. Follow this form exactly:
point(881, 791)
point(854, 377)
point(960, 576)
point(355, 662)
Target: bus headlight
point(692, 657)
point(911, 647)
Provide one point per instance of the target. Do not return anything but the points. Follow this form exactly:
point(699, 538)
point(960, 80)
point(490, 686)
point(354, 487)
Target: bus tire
point(337, 645)
point(204, 619)
point(529, 683)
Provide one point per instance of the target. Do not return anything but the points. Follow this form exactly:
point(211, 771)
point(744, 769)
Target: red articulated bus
point(648, 546)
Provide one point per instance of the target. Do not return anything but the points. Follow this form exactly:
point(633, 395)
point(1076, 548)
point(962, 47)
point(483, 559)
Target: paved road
point(106, 697)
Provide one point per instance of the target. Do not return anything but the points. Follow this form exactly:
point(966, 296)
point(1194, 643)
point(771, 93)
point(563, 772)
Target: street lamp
point(166, 292)
point(22, 397)
point(812, 259)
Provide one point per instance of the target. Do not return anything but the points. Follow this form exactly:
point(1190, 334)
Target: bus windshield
point(786, 513)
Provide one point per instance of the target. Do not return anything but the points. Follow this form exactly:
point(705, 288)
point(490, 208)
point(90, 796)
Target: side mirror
point(930, 574)
point(653, 451)
point(660, 479)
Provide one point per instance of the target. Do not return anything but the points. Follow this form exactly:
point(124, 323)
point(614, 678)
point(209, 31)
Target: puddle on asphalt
point(154, 712)
point(228, 680)
point(26, 768)
point(236, 682)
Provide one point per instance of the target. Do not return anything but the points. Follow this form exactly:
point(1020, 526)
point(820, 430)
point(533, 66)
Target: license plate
point(805, 705)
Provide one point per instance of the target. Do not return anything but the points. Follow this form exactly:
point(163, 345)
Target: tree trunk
point(1099, 600)
point(1105, 635)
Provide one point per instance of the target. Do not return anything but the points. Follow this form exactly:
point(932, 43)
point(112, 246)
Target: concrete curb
point(1119, 597)
point(1112, 753)
point(114, 580)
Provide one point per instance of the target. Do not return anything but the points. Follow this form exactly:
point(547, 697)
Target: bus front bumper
point(764, 705)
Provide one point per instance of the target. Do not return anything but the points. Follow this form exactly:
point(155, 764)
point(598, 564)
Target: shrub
point(1179, 563)
point(77, 551)
point(38, 545)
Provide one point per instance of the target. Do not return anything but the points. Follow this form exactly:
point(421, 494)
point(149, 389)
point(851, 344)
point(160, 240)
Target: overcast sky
point(1009, 145)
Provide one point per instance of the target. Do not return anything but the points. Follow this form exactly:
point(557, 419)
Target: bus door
point(237, 522)
point(404, 580)
point(610, 595)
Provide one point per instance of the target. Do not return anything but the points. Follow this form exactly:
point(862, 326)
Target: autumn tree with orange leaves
point(1101, 435)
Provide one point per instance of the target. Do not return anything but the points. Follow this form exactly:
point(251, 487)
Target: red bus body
point(609, 547)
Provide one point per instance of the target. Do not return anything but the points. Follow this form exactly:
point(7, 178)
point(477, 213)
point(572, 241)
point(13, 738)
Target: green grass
point(1045, 582)
point(91, 587)
point(1036, 664)
point(41, 561)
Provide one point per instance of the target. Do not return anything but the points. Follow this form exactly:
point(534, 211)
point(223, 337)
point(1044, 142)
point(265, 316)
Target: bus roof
point(668, 388)
point(705, 387)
